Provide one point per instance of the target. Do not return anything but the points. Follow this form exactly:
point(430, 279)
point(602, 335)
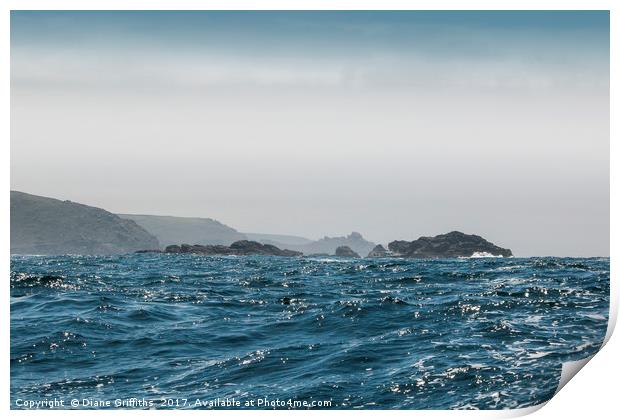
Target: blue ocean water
point(359, 333)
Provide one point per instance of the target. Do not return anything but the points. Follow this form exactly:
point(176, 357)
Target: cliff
point(186, 230)
point(46, 226)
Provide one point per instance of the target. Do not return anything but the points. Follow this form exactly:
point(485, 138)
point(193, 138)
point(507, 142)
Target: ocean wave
point(473, 333)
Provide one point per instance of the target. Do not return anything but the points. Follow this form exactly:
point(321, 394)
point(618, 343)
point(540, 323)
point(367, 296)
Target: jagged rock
point(236, 248)
point(345, 251)
point(399, 248)
point(449, 245)
point(378, 252)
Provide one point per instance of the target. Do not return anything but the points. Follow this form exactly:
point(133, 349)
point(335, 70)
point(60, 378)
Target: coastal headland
point(47, 226)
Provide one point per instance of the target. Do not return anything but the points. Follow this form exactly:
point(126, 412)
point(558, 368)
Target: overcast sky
point(393, 124)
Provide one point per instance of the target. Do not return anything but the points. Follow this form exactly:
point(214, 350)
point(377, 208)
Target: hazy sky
point(393, 124)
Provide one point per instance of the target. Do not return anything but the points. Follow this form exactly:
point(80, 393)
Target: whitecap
point(537, 354)
point(484, 255)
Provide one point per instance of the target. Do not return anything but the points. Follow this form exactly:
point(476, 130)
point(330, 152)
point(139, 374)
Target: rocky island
point(345, 251)
point(449, 245)
point(378, 252)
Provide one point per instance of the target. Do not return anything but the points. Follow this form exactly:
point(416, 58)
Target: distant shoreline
point(47, 226)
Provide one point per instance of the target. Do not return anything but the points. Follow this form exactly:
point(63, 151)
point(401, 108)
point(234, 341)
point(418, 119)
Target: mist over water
point(373, 333)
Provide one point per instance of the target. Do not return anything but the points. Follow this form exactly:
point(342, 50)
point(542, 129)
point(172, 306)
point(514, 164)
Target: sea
point(162, 331)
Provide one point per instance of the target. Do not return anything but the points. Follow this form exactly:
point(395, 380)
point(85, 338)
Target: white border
point(594, 392)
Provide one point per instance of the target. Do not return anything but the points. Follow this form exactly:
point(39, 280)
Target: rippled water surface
point(372, 333)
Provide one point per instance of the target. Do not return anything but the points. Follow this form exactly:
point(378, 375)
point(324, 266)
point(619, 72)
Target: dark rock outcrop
point(400, 248)
point(378, 252)
point(47, 226)
point(345, 251)
point(256, 248)
point(236, 248)
point(449, 245)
